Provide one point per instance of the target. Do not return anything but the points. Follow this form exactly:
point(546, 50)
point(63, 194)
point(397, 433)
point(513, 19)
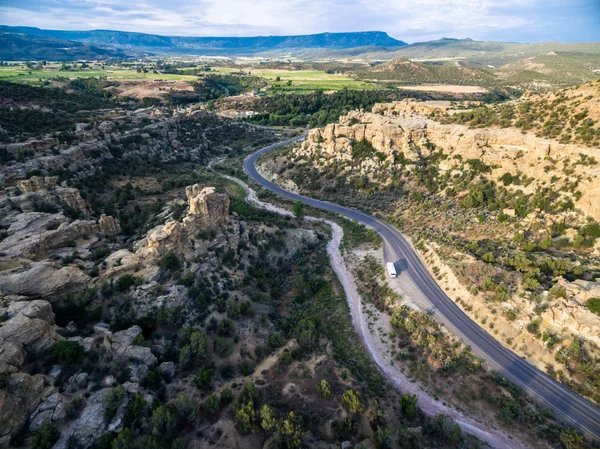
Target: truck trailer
point(391, 270)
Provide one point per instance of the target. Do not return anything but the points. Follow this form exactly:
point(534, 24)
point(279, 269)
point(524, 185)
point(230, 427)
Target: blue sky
point(411, 21)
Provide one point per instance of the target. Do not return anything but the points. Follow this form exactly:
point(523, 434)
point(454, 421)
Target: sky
point(410, 21)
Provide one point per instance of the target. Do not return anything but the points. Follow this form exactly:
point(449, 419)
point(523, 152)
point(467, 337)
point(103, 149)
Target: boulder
point(109, 225)
point(19, 399)
point(42, 279)
point(52, 409)
point(29, 329)
point(90, 425)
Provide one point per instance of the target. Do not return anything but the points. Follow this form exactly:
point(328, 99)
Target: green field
point(302, 80)
point(22, 74)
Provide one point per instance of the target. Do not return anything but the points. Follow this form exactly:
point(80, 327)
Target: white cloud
point(403, 19)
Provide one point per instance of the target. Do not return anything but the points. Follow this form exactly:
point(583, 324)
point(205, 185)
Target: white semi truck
point(392, 270)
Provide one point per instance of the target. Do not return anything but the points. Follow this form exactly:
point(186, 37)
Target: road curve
point(567, 405)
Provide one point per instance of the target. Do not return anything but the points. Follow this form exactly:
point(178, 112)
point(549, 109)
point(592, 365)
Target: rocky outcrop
point(37, 184)
point(52, 409)
point(91, 424)
point(207, 210)
point(37, 191)
point(122, 346)
point(109, 226)
point(406, 128)
point(42, 279)
point(34, 234)
point(22, 395)
point(589, 202)
point(29, 329)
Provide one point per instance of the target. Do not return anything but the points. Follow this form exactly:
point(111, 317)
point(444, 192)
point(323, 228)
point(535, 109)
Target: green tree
point(124, 440)
point(187, 407)
point(290, 432)
point(112, 402)
point(408, 405)
point(324, 389)
point(67, 352)
point(164, 422)
point(204, 377)
point(593, 305)
point(211, 404)
point(46, 437)
point(267, 418)
point(299, 209)
point(352, 401)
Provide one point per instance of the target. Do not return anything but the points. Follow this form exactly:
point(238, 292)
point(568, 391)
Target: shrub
point(362, 149)
point(408, 405)
point(223, 347)
point(46, 437)
point(67, 352)
point(186, 407)
point(324, 389)
point(170, 262)
point(444, 427)
point(352, 401)
point(125, 282)
point(212, 404)
point(124, 440)
point(164, 422)
point(113, 401)
point(299, 209)
point(226, 396)
point(204, 377)
point(226, 327)
point(488, 257)
point(593, 305)
point(534, 326)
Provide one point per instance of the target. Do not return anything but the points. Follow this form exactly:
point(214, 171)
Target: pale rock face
point(37, 184)
point(42, 279)
point(207, 207)
point(34, 234)
point(29, 329)
point(406, 127)
point(52, 409)
point(19, 399)
point(121, 344)
point(46, 190)
point(572, 314)
point(207, 210)
point(91, 424)
point(109, 225)
point(589, 202)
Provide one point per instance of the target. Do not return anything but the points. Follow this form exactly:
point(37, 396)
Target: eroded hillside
point(507, 220)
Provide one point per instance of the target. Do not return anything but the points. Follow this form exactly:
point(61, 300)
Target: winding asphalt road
point(567, 405)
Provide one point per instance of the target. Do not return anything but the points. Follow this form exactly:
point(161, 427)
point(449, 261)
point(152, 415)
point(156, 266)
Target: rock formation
point(28, 330)
point(406, 127)
point(207, 210)
point(42, 279)
point(22, 395)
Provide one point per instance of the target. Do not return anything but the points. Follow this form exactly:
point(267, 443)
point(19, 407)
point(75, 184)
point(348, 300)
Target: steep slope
point(506, 220)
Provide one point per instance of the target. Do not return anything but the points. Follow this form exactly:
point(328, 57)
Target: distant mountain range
point(28, 43)
point(211, 45)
